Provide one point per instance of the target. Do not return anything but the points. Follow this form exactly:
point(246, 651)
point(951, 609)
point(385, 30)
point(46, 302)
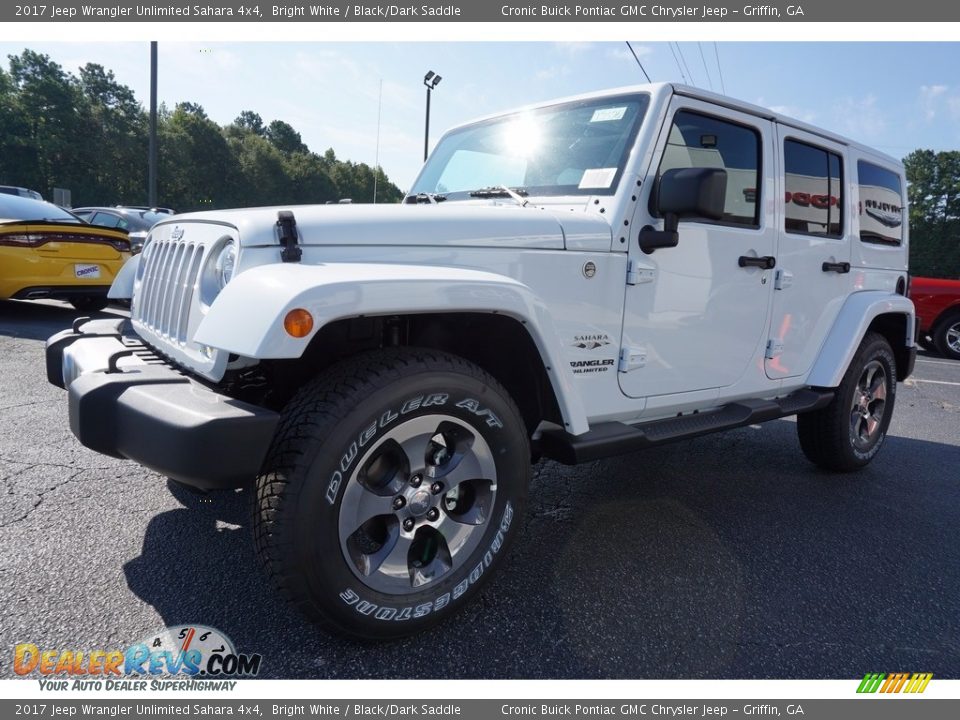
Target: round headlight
point(225, 263)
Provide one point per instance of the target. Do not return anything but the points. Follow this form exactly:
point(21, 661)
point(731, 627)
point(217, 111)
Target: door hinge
point(637, 275)
point(774, 348)
point(782, 279)
point(632, 358)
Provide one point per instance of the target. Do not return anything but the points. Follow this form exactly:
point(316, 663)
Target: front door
point(696, 314)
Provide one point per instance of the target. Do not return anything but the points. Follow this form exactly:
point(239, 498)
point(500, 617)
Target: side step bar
point(614, 438)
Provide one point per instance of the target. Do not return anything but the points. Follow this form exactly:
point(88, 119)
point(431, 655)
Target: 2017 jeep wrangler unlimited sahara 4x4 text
point(581, 278)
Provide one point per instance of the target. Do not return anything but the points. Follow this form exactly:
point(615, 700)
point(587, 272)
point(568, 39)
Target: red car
point(938, 312)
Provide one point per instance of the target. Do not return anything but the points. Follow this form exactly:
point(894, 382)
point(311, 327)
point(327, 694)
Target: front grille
point(168, 286)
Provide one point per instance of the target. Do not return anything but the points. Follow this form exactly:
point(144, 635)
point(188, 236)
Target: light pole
point(152, 151)
point(431, 80)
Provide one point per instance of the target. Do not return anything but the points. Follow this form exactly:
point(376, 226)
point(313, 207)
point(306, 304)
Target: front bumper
point(125, 402)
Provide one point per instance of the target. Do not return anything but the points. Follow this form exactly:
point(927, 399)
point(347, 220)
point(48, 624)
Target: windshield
point(14, 207)
point(577, 148)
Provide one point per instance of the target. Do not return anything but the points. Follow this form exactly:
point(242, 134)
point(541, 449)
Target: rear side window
point(813, 190)
point(107, 220)
point(881, 205)
point(702, 141)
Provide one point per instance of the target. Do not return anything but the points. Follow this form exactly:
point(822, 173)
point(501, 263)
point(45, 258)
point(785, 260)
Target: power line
point(702, 57)
point(638, 62)
point(672, 52)
point(684, 61)
point(716, 51)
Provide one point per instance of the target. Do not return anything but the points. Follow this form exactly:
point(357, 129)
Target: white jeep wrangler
point(586, 277)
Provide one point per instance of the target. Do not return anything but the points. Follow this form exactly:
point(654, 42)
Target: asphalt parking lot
point(725, 557)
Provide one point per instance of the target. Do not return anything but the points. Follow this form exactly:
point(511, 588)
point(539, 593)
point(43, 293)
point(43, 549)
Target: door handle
point(837, 267)
point(767, 262)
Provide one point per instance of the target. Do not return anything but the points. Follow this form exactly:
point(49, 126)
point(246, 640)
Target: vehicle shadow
point(39, 320)
point(665, 563)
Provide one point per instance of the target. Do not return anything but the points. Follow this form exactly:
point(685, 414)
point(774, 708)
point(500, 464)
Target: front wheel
point(393, 488)
point(849, 432)
point(946, 336)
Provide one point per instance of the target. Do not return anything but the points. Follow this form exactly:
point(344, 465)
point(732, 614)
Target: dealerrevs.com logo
point(185, 657)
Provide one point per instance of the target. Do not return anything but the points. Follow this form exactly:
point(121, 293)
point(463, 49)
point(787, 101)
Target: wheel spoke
point(370, 505)
point(461, 538)
point(392, 560)
point(879, 392)
point(855, 418)
point(468, 467)
point(872, 424)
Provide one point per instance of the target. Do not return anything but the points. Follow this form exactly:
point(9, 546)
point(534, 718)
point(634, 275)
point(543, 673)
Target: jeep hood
point(454, 224)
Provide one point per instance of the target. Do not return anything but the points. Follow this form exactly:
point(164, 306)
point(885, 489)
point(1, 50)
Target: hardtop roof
point(659, 89)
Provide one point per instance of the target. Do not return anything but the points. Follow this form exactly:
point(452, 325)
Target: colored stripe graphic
point(919, 682)
point(870, 683)
point(890, 683)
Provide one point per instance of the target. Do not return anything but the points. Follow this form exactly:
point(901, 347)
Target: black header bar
point(850, 11)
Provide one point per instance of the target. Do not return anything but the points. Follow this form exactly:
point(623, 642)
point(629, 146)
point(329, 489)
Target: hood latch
point(287, 229)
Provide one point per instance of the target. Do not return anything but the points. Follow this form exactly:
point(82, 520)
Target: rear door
point(813, 255)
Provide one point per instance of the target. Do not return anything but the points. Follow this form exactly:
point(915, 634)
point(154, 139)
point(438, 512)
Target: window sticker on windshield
point(597, 178)
point(607, 114)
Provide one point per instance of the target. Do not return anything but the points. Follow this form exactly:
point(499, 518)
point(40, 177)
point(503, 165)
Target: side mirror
point(684, 193)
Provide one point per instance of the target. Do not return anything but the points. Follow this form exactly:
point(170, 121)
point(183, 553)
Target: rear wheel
point(89, 303)
point(849, 432)
point(393, 488)
point(946, 336)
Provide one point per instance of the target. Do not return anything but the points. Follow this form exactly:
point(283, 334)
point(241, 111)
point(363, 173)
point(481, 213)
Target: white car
point(586, 277)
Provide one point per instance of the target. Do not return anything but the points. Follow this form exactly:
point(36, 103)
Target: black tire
point(340, 435)
point(840, 437)
point(946, 335)
point(89, 303)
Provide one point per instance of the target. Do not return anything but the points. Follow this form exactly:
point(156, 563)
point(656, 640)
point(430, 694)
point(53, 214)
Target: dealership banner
point(483, 709)
point(853, 11)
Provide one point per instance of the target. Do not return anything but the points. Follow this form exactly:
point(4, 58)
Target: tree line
point(934, 194)
point(88, 133)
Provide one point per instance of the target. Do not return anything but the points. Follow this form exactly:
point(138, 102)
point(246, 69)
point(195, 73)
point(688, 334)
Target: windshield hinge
point(287, 230)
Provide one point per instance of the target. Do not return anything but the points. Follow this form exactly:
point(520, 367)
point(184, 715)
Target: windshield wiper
point(424, 197)
point(502, 191)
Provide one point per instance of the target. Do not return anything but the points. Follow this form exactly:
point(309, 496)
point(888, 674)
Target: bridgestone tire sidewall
point(880, 350)
point(343, 597)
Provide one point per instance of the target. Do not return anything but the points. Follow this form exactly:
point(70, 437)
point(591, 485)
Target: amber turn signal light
point(298, 323)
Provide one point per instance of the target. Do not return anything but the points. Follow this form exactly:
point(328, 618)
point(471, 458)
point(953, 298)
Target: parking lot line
point(937, 362)
point(931, 382)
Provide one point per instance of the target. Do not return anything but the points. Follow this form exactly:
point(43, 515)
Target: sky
point(893, 96)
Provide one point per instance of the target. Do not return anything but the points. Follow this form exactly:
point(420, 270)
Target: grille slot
point(169, 285)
